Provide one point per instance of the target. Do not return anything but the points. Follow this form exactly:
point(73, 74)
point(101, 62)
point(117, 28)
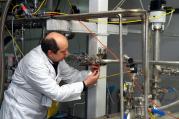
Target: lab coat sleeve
point(39, 77)
point(70, 74)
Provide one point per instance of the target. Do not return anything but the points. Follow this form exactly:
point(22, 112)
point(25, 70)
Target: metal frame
point(83, 16)
point(127, 13)
point(124, 13)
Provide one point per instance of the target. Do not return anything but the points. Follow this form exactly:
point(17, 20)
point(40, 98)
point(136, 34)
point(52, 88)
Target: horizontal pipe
point(106, 61)
point(139, 62)
point(165, 62)
point(83, 16)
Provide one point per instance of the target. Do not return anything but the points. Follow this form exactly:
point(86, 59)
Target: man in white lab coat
point(35, 82)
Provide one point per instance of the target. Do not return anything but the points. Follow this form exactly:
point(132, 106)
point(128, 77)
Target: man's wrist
point(84, 86)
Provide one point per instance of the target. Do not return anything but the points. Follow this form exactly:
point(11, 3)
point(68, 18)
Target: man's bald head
point(55, 46)
point(57, 37)
point(53, 41)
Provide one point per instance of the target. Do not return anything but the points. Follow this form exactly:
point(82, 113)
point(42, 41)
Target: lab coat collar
point(46, 59)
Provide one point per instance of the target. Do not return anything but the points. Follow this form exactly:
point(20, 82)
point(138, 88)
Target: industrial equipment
point(140, 94)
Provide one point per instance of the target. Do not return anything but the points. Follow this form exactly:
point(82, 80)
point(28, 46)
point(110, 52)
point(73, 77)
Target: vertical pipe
point(157, 45)
point(157, 51)
point(22, 37)
point(2, 23)
point(121, 68)
point(146, 64)
point(156, 58)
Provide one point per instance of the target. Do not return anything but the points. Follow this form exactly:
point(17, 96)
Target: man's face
point(62, 44)
point(60, 55)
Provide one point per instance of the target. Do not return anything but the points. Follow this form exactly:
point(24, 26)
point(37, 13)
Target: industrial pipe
point(146, 64)
point(121, 69)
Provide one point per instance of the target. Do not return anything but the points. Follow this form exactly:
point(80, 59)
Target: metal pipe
point(146, 64)
point(2, 24)
point(156, 58)
point(157, 45)
point(159, 62)
point(165, 62)
point(106, 61)
point(121, 68)
point(125, 12)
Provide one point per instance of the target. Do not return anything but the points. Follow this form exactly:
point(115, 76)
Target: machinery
point(140, 94)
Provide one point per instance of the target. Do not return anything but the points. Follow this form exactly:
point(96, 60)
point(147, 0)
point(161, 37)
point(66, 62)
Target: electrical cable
point(14, 47)
point(69, 2)
point(96, 38)
point(122, 3)
point(56, 13)
point(141, 3)
point(43, 3)
point(112, 75)
point(133, 21)
point(110, 96)
point(15, 42)
point(119, 4)
point(169, 21)
point(14, 8)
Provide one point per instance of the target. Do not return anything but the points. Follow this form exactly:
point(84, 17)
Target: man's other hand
point(92, 78)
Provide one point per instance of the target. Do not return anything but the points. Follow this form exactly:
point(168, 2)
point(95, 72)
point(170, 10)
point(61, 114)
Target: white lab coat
point(35, 84)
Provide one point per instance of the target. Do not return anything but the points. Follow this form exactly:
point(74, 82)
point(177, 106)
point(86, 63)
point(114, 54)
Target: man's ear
point(49, 53)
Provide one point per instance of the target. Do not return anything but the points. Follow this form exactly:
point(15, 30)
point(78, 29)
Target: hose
point(2, 24)
point(169, 105)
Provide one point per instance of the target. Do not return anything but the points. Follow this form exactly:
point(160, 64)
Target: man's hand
point(94, 67)
point(92, 78)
